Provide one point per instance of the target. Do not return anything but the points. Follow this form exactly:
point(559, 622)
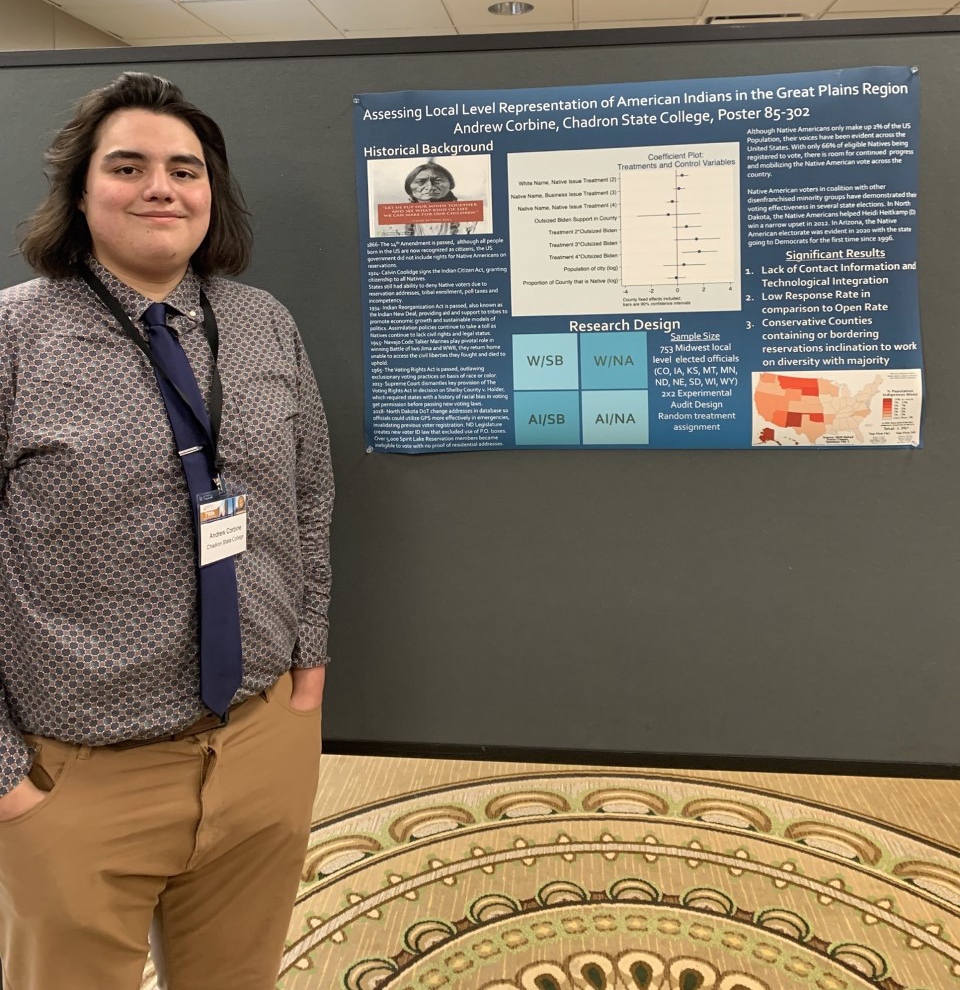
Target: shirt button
point(192, 312)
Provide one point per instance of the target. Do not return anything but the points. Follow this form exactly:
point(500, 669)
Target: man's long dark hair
point(56, 236)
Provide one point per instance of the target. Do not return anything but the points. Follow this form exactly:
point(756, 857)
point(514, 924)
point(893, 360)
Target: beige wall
point(32, 25)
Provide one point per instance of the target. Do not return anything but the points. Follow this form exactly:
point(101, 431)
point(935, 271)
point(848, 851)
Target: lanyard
point(212, 333)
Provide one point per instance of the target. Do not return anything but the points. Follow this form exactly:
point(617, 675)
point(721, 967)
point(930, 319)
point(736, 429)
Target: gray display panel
point(714, 604)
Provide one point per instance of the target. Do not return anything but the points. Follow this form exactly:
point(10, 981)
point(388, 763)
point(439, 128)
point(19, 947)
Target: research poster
point(706, 263)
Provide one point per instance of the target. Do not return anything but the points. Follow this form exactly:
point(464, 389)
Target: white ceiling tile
point(285, 36)
point(153, 20)
point(393, 15)
point(26, 29)
point(636, 10)
point(290, 18)
point(907, 7)
point(242, 39)
point(470, 13)
point(158, 42)
point(70, 32)
point(671, 22)
point(512, 29)
point(729, 8)
point(414, 33)
point(71, 5)
point(868, 14)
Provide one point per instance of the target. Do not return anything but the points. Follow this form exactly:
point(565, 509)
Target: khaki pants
point(205, 837)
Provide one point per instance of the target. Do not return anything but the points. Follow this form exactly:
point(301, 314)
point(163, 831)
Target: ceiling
point(183, 22)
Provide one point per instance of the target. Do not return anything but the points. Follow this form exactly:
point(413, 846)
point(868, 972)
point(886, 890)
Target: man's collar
point(185, 297)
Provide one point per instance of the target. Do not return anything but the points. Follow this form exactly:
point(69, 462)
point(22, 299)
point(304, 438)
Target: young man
point(161, 677)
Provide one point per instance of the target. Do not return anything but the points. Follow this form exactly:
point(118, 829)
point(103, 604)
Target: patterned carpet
point(424, 875)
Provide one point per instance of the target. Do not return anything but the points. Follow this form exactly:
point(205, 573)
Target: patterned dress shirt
point(98, 581)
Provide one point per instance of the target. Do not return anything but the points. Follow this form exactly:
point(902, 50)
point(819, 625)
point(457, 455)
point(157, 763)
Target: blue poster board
point(715, 263)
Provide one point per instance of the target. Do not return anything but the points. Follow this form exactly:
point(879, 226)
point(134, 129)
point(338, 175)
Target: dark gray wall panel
point(713, 603)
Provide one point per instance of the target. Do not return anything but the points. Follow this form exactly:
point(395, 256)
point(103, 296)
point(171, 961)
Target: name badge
point(222, 528)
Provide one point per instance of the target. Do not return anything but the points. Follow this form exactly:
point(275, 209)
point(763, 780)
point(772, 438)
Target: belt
point(205, 724)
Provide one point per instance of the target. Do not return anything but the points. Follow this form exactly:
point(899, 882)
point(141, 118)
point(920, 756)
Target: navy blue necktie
point(221, 658)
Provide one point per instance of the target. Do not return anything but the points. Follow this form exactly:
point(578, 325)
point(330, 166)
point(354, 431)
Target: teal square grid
point(620, 418)
point(545, 361)
point(613, 360)
point(546, 419)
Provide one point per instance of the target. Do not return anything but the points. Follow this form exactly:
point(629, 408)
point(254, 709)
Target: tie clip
point(189, 450)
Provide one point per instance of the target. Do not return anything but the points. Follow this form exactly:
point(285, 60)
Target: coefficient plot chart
point(654, 229)
point(679, 222)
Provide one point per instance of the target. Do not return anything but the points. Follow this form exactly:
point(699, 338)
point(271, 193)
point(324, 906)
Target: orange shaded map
point(812, 407)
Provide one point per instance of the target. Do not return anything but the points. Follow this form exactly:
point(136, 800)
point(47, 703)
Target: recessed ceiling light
point(510, 8)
